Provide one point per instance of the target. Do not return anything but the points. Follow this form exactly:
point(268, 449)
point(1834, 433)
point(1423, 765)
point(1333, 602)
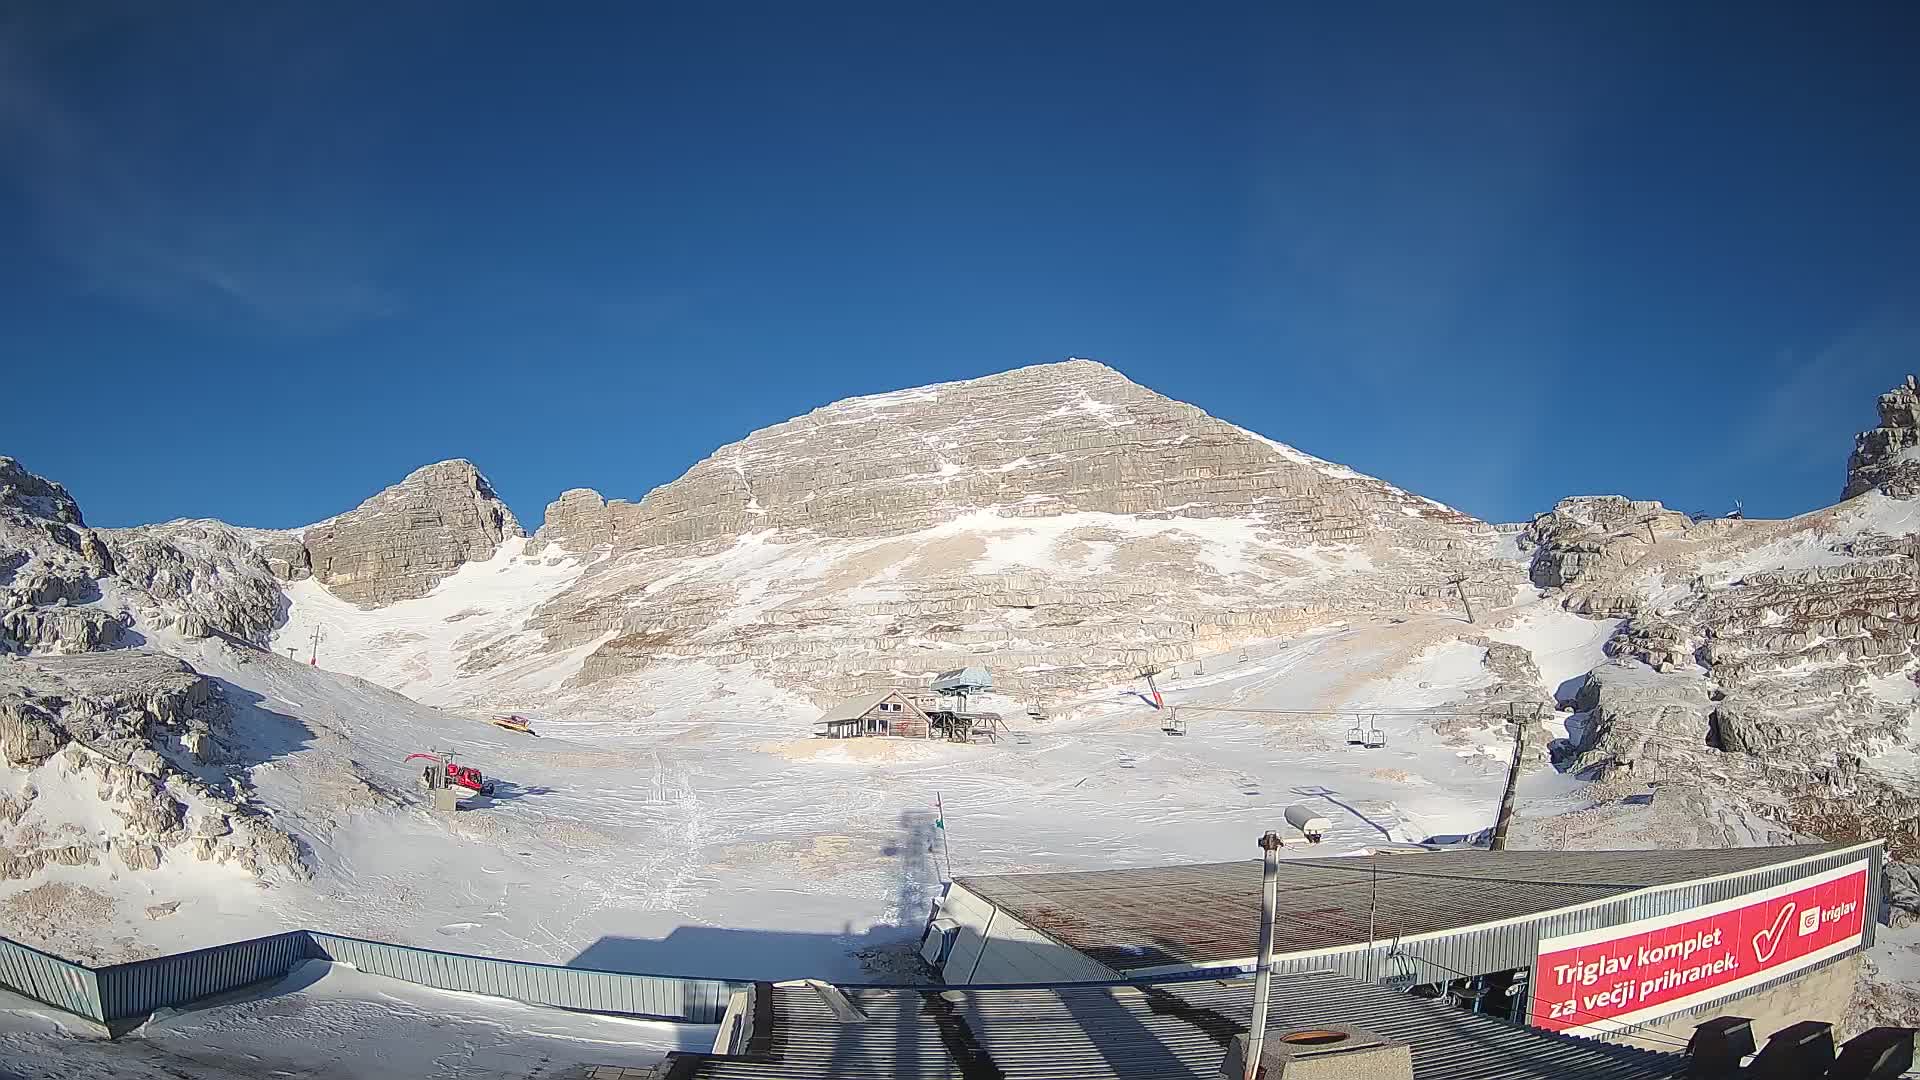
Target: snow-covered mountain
point(1058, 524)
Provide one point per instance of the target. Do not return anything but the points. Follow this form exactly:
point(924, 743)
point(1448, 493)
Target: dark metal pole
point(1263, 973)
point(1373, 910)
point(1505, 817)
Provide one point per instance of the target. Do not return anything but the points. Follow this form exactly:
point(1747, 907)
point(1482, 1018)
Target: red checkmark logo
point(1766, 941)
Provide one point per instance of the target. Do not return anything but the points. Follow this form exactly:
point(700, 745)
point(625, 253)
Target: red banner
point(1604, 979)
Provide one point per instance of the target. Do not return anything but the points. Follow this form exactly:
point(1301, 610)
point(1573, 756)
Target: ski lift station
point(1634, 946)
point(899, 713)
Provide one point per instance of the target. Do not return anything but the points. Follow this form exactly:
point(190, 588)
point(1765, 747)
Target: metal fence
point(135, 990)
point(699, 1001)
point(115, 995)
point(49, 979)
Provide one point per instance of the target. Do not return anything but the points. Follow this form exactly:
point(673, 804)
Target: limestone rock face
point(1595, 531)
point(1042, 441)
point(112, 722)
point(1883, 456)
point(1774, 659)
point(1058, 523)
point(400, 543)
point(34, 496)
point(199, 577)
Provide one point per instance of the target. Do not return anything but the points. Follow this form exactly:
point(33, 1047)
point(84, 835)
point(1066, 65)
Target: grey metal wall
point(49, 979)
point(699, 1001)
point(138, 988)
point(128, 991)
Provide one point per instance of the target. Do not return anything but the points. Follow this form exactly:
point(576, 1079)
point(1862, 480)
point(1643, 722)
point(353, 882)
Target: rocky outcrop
point(1777, 657)
point(32, 496)
point(1900, 890)
point(199, 578)
point(49, 563)
point(1058, 522)
point(1883, 457)
point(285, 556)
point(399, 544)
point(115, 723)
point(114, 703)
point(1595, 532)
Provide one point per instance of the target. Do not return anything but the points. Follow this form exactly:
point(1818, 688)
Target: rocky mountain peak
point(35, 496)
point(1040, 441)
point(1883, 456)
point(400, 543)
point(1058, 521)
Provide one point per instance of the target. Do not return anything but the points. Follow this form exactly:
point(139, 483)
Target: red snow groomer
point(442, 770)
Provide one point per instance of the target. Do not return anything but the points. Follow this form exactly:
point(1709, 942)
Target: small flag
point(939, 814)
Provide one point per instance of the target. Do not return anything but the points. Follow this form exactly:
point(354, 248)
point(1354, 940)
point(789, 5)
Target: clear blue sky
point(257, 262)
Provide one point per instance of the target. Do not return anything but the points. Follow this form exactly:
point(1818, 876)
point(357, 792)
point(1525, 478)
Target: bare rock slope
point(399, 544)
point(1883, 456)
point(1059, 522)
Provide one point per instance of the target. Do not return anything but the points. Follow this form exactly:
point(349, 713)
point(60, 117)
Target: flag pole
point(940, 822)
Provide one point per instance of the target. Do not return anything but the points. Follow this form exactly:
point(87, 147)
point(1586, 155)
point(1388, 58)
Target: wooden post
point(1460, 586)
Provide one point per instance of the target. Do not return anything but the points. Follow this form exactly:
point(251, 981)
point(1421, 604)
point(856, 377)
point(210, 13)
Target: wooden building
point(881, 713)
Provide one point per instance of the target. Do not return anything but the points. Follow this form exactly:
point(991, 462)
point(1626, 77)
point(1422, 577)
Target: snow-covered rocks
point(198, 578)
point(1774, 658)
point(1884, 457)
point(1594, 532)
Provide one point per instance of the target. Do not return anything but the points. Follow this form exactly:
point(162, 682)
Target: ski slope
point(716, 837)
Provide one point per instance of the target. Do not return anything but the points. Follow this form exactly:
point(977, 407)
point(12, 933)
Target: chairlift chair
point(1176, 724)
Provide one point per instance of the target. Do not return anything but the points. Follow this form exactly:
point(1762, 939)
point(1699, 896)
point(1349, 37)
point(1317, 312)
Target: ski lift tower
point(960, 682)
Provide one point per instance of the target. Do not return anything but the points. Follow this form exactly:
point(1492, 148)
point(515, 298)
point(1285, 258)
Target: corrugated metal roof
point(1135, 1032)
point(1152, 917)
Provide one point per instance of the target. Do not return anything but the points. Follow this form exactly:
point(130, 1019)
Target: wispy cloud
point(164, 234)
point(1819, 397)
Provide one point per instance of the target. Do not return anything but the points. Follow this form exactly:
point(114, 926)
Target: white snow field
point(717, 837)
point(683, 820)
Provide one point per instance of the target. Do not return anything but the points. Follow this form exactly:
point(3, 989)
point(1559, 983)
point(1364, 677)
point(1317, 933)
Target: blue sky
point(260, 262)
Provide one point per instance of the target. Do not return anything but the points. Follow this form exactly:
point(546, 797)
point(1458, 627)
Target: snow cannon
point(1310, 824)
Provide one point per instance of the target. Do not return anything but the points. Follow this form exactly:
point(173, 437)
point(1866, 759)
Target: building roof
point(856, 707)
point(966, 678)
point(1170, 1031)
point(1156, 917)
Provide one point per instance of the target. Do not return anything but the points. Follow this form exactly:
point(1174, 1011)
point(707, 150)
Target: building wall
point(906, 723)
point(1820, 994)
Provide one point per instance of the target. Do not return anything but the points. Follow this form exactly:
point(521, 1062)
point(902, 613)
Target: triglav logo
point(1809, 922)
